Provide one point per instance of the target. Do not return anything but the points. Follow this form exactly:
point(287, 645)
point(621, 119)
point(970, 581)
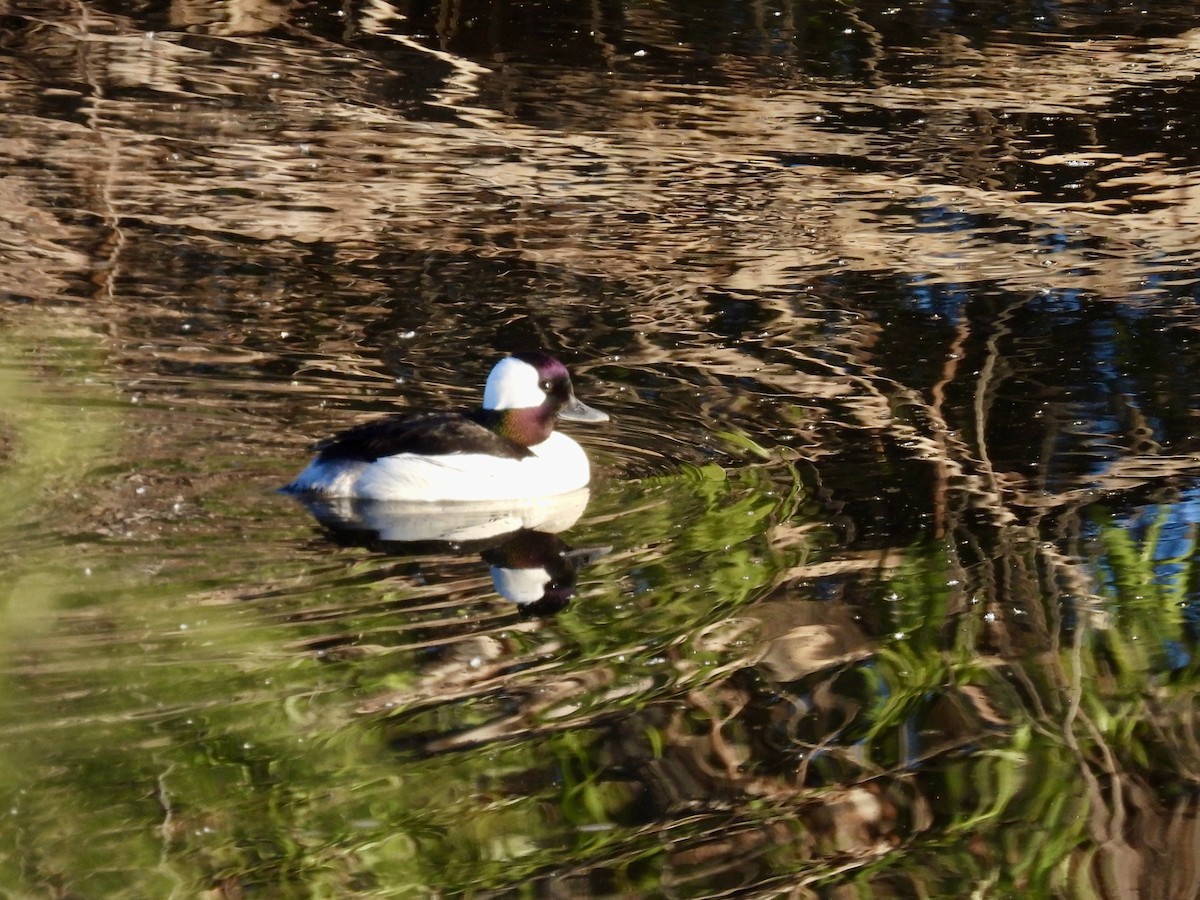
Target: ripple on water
point(897, 502)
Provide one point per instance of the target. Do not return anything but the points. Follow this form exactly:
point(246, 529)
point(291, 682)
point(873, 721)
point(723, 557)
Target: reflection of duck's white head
point(529, 565)
point(525, 586)
point(536, 570)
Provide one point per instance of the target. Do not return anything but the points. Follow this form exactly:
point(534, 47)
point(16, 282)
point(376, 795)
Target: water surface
point(885, 581)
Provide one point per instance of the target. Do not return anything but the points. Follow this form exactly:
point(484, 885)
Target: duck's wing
point(429, 434)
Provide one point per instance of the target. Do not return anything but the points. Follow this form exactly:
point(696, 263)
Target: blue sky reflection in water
point(887, 582)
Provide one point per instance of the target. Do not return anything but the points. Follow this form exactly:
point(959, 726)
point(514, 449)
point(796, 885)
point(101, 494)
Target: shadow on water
point(886, 582)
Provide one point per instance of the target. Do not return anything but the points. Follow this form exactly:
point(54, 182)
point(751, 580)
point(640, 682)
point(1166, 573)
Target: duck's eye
point(545, 385)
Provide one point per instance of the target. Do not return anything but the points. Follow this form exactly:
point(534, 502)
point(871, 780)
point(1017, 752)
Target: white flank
point(558, 466)
point(332, 477)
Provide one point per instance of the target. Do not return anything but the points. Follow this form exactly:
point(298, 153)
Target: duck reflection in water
point(529, 564)
point(538, 571)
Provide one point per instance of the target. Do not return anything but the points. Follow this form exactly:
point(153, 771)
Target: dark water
point(885, 585)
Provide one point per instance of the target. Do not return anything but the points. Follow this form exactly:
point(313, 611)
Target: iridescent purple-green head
point(528, 392)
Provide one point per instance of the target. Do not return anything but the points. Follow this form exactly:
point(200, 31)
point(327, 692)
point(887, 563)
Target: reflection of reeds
point(875, 780)
point(728, 187)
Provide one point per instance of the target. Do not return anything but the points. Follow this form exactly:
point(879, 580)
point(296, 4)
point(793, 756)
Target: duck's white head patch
point(513, 384)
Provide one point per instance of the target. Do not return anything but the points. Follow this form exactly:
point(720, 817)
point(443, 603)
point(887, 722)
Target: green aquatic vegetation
point(201, 740)
point(1010, 783)
point(235, 701)
point(1146, 592)
point(1103, 690)
point(55, 427)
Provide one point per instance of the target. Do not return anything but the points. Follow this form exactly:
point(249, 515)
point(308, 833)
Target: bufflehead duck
point(507, 449)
